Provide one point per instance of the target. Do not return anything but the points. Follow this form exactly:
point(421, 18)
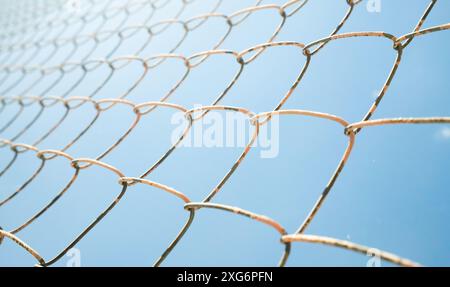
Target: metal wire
point(29, 27)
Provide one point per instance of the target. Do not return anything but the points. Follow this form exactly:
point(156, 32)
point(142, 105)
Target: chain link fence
point(44, 42)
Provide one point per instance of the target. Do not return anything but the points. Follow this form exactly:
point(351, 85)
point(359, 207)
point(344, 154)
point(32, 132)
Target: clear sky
point(393, 194)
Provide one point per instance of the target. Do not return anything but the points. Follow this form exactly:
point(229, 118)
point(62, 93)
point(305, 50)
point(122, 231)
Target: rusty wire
point(19, 36)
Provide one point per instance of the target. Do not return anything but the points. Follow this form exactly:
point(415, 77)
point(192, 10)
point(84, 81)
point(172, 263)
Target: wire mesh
point(29, 28)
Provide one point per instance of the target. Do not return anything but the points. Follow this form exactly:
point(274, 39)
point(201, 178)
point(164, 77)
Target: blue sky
point(392, 194)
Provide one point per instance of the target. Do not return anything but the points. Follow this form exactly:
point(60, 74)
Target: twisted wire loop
point(350, 246)
point(239, 211)
point(22, 244)
point(132, 181)
point(30, 28)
